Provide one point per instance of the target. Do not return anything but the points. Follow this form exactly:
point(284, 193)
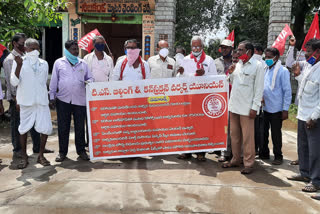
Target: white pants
point(38, 116)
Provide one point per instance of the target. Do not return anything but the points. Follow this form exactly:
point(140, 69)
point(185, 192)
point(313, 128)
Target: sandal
point(310, 187)
point(317, 197)
point(43, 161)
point(184, 156)
point(246, 171)
point(298, 178)
point(294, 163)
point(201, 157)
point(229, 165)
point(23, 163)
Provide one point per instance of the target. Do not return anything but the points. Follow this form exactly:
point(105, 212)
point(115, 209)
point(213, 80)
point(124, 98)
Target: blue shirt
point(278, 99)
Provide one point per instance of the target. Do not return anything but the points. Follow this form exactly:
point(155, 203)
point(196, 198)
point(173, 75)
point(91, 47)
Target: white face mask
point(196, 54)
point(33, 56)
point(164, 52)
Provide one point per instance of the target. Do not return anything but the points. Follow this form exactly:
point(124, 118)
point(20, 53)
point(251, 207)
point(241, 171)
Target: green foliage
point(213, 48)
point(26, 15)
point(250, 20)
point(194, 17)
point(293, 110)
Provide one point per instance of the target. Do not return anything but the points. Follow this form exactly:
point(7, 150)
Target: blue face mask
point(269, 62)
point(71, 58)
point(125, 51)
point(99, 46)
point(312, 59)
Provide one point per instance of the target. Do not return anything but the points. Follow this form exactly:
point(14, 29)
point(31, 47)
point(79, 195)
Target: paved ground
point(148, 185)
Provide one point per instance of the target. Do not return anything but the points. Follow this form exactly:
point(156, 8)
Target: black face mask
point(20, 47)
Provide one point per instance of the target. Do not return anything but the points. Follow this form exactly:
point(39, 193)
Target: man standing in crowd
point(161, 65)
point(132, 67)
point(18, 50)
point(223, 63)
point(100, 64)
point(277, 99)
point(309, 120)
point(30, 76)
point(258, 52)
point(124, 50)
point(67, 91)
point(197, 64)
point(247, 88)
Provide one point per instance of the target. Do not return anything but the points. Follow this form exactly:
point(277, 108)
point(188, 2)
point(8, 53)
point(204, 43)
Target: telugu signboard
point(113, 6)
point(157, 117)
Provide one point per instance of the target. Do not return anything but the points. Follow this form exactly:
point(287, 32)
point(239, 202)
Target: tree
point(26, 15)
point(250, 20)
point(197, 16)
point(213, 48)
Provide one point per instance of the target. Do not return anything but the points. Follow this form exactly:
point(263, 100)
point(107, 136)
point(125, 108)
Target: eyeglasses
point(196, 47)
point(131, 47)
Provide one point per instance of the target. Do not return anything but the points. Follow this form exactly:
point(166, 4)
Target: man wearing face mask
point(161, 65)
point(258, 52)
point(100, 64)
point(247, 78)
point(29, 74)
point(124, 50)
point(223, 63)
point(17, 42)
point(309, 120)
point(197, 63)
point(68, 92)
point(132, 67)
point(277, 99)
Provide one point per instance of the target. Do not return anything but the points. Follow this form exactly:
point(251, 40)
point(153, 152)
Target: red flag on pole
point(313, 31)
point(281, 39)
point(86, 43)
point(231, 37)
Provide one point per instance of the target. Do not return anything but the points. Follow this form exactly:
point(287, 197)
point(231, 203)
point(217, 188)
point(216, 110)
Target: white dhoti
point(37, 116)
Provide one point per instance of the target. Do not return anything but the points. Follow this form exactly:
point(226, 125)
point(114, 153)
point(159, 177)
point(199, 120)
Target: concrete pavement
point(152, 185)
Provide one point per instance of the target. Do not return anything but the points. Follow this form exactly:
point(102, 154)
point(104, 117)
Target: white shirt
point(1, 93)
point(129, 72)
point(290, 60)
point(247, 87)
point(100, 69)
point(190, 66)
point(309, 93)
point(161, 69)
point(259, 58)
point(32, 83)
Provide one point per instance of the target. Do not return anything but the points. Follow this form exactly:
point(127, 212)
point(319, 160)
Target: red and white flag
point(281, 39)
point(231, 37)
point(86, 42)
point(313, 31)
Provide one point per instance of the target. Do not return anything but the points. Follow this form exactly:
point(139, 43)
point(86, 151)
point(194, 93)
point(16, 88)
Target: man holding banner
point(132, 67)
point(247, 78)
point(67, 91)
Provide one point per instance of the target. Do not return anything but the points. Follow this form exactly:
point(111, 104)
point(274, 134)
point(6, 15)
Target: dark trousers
point(15, 135)
point(275, 121)
point(258, 132)
point(64, 112)
point(309, 151)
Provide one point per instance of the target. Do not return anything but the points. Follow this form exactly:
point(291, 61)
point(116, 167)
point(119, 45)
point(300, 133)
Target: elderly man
point(223, 63)
point(309, 120)
point(30, 75)
point(247, 79)
point(132, 67)
point(100, 64)
point(67, 91)
point(17, 42)
point(277, 99)
point(197, 64)
point(161, 65)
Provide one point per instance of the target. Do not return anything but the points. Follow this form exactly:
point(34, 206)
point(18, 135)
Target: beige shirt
point(161, 69)
point(247, 87)
point(7, 67)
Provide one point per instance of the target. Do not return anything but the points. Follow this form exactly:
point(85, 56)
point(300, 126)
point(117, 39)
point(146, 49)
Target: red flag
point(2, 48)
point(231, 37)
point(281, 39)
point(86, 43)
point(313, 31)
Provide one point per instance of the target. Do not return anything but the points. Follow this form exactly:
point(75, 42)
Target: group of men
point(256, 86)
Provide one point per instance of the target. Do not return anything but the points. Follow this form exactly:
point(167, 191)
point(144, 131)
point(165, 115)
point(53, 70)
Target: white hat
point(227, 43)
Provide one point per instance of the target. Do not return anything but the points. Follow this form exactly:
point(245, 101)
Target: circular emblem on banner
point(214, 105)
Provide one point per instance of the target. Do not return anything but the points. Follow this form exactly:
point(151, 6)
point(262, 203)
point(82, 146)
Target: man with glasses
point(132, 67)
point(197, 64)
point(161, 65)
point(247, 79)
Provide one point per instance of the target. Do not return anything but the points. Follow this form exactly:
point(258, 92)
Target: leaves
point(26, 15)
